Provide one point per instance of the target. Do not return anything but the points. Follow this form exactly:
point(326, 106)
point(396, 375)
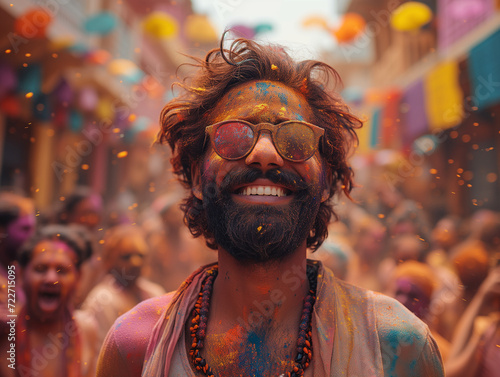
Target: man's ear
point(196, 179)
point(327, 186)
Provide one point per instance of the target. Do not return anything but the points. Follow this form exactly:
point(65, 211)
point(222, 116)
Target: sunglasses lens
point(296, 141)
point(233, 139)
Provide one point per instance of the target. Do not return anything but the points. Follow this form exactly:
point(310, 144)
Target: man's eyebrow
point(255, 119)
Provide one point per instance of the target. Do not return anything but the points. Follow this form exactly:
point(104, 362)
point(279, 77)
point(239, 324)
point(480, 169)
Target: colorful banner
point(414, 115)
point(375, 128)
point(390, 120)
point(484, 71)
point(443, 96)
point(458, 17)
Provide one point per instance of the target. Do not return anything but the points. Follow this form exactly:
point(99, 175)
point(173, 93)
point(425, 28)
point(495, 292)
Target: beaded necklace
point(200, 320)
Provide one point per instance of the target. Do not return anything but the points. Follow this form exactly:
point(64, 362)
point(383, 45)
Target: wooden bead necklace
point(200, 320)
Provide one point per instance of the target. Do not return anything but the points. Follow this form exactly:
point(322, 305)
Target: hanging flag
point(443, 96)
point(375, 128)
point(414, 115)
point(484, 71)
point(390, 131)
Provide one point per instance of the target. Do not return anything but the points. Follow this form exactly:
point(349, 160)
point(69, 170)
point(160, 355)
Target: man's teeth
point(263, 190)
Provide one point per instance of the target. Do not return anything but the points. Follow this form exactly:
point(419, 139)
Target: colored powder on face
point(260, 108)
point(283, 98)
point(263, 87)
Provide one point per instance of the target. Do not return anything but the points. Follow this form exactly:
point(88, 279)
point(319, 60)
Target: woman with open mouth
point(52, 338)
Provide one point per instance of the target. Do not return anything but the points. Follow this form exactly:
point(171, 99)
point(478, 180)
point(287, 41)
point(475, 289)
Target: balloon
point(101, 23)
point(410, 16)
point(262, 28)
point(33, 23)
point(63, 92)
point(133, 77)
point(8, 78)
point(105, 109)
point(119, 67)
point(30, 79)
point(98, 56)
point(466, 9)
point(88, 99)
point(198, 28)
point(313, 21)
point(352, 25)
point(243, 31)
point(10, 106)
point(127, 70)
point(160, 25)
point(78, 48)
point(139, 125)
point(75, 121)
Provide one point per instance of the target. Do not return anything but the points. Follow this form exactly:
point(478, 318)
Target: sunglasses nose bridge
point(264, 153)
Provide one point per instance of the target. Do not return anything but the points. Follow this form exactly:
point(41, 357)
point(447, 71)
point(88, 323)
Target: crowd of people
point(72, 284)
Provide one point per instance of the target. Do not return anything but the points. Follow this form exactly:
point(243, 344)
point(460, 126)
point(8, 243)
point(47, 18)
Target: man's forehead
point(266, 101)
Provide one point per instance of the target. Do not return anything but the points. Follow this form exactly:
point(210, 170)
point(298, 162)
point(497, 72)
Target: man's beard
point(260, 233)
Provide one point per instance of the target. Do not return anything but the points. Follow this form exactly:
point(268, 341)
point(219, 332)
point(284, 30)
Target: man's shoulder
point(386, 311)
point(393, 322)
point(392, 316)
point(139, 321)
point(124, 348)
point(406, 345)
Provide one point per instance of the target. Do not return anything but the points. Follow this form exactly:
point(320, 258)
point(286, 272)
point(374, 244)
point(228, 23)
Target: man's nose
point(264, 154)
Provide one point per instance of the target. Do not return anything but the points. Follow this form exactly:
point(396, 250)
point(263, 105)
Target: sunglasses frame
point(257, 129)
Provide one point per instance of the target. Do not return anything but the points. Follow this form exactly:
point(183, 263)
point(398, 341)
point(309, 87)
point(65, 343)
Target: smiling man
point(262, 144)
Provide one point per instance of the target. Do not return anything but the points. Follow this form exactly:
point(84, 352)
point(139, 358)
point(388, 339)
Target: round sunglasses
point(294, 140)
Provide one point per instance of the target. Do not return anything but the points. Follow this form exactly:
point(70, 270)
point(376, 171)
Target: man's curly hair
point(183, 119)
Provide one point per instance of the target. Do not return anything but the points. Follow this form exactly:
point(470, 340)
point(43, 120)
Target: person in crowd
point(17, 224)
point(262, 143)
point(52, 339)
point(475, 347)
point(337, 255)
point(445, 235)
point(401, 248)
point(84, 207)
point(472, 264)
point(369, 240)
point(414, 284)
point(173, 251)
point(124, 254)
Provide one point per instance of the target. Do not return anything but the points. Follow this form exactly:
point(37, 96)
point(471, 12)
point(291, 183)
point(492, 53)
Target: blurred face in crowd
point(407, 247)
point(273, 220)
point(87, 212)
point(411, 296)
point(370, 240)
point(49, 279)
point(129, 259)
point(19, 230)
point(444, 234)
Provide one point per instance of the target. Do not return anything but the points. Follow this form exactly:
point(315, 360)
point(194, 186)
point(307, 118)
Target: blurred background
point(82, 84)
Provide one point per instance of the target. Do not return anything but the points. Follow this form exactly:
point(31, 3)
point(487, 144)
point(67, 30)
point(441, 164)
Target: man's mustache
point(248, 175)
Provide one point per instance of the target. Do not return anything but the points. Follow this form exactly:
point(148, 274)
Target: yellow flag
point(443, 96)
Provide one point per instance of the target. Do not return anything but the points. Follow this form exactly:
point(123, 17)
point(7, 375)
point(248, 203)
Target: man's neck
point(254, 294)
